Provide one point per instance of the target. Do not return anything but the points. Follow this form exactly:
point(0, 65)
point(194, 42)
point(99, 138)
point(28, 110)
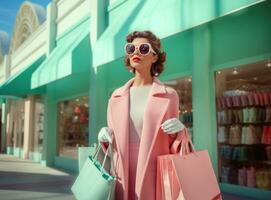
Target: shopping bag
point(188, 175)
point(83, 154)
point(93, 181)
point(168, 186)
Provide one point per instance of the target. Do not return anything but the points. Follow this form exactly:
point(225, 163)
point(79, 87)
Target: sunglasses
point(144, 49)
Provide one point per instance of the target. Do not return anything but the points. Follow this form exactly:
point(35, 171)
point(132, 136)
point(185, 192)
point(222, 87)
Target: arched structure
point(29, 17)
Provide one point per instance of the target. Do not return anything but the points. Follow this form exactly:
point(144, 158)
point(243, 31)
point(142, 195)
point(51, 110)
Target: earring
point(153, 71)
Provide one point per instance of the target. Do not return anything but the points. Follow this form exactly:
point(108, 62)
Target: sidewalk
point(27, 180)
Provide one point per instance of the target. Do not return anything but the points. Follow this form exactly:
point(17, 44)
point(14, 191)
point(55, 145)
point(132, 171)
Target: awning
point(20, 83)
point(165, 19)
point(71, 55)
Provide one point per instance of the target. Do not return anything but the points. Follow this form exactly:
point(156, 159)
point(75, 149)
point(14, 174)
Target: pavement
point(27, 180)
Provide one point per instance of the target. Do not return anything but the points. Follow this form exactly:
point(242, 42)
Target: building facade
point(60, 72)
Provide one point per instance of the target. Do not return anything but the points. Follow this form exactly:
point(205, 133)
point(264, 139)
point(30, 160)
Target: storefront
point(65, 74)
point(15, 127)
point(19, 105)
point(37, 136)
point(195, 54)
point(243, 105)
point(24, 127)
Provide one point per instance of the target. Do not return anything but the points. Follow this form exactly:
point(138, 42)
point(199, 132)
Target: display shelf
point(243, 113)
point(245, 123)
point(223, 143)
point(265, 162)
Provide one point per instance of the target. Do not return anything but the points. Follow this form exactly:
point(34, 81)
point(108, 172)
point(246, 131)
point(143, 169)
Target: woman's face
point(142, 63)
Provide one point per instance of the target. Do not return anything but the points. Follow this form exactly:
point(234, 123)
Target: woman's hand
point(172, 126)
point(105, 135)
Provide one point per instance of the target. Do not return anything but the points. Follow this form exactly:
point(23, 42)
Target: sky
point(8, 12)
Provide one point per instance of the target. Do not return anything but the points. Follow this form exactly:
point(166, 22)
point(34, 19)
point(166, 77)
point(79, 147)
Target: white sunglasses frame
point(137, 48)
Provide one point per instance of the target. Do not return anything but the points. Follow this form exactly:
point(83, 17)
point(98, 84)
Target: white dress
point(138, 100)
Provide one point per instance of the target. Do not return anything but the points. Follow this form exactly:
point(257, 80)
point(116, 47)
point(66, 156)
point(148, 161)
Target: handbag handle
point(109, 150)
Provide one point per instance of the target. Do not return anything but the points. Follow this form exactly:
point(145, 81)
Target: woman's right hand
point(105, 135)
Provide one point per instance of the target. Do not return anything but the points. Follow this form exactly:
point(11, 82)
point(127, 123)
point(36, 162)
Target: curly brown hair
point(158, 67)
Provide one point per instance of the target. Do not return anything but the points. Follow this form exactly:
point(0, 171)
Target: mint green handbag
point(93, 181)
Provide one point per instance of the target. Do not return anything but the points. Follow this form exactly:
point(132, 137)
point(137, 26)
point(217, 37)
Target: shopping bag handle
point(166, 181)
point(186, 143)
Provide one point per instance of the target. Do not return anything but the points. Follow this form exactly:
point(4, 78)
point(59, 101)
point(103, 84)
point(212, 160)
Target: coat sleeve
point(174, 139)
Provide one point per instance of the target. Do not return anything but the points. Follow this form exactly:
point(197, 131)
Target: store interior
point(72, 126)
point(243, 105)
point(183, 87)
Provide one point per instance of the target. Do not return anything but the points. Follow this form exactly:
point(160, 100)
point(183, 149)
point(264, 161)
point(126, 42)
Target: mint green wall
point(201, 91)
point(49, 141)
point(243, 37)
point(179, 50)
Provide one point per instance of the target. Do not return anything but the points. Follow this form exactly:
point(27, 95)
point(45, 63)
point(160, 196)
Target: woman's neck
point(142, 80)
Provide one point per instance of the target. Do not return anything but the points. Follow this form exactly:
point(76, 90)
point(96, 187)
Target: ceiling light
point(255, 78)
point(189, 79)
point(219, 72)
point(268, 64)
point(235, 72)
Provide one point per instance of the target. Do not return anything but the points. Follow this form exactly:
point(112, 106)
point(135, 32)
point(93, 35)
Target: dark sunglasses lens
point(144, 48)
point(130, 48)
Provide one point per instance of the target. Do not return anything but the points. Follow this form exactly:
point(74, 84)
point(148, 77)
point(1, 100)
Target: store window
point(243, 99)
point(15, 131)
point(72, 126)
point(183, 87)
point(37, 143)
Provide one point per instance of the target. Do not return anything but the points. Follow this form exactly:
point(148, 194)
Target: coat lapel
point(156, 107)
point(119, 104)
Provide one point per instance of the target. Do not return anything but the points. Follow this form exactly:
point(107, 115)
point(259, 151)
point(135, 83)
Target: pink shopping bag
point(168, 186)
point(187, 175)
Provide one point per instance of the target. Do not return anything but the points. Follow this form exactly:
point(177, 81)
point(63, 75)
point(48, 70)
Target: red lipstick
point(136, 58)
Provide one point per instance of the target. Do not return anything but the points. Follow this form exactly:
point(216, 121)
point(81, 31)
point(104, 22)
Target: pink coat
point(162, 104)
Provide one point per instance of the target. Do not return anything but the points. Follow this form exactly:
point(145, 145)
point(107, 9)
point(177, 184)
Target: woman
point(142, 119)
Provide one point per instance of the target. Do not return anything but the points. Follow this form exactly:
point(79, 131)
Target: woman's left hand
point(172, 126)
